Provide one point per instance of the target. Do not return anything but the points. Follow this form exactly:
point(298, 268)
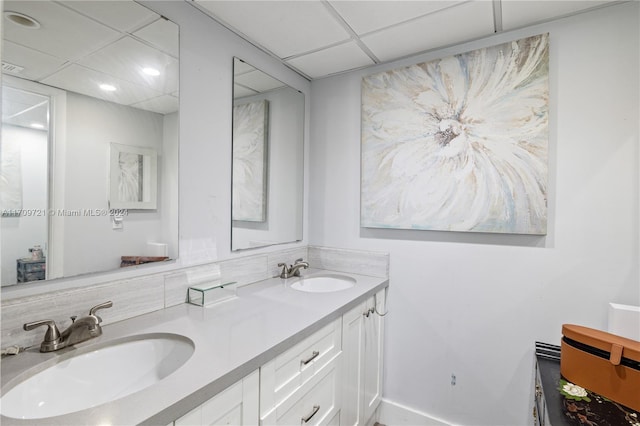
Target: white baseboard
point(393, 414)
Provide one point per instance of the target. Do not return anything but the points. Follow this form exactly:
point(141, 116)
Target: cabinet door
point(351, 412)
point(373, 353)
point(236, 405)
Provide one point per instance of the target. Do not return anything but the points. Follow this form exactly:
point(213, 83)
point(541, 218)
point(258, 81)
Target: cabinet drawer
point(316, 403)
point(284, 375)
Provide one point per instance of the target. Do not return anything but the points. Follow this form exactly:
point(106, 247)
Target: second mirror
point(268, 141)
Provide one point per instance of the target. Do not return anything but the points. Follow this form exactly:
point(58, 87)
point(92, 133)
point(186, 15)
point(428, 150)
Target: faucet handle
point(298, 261)
point(285, 270)
point(96, 308)
point(52, 333)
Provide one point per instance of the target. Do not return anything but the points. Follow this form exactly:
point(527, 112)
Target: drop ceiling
point(78, 40)
point(80, 44)
point(318, 38)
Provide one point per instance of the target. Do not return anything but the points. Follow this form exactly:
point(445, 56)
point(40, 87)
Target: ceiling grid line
point(413, 19)
point(354, 35)
point(379, 31)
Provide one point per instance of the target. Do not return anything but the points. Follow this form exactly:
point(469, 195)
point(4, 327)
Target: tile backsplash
point(374, 264)
point(141, 295)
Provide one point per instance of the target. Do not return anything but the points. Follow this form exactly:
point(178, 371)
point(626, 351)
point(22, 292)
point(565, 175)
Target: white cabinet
point(316, 403)
point(362, 346)
point(302, 385)
point(237, 405)
point(333, 377)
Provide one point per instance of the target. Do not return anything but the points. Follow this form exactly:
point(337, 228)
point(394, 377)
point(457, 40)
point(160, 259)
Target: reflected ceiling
point(52, 52)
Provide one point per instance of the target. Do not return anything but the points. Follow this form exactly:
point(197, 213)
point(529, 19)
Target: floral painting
point(459, 143)
point(133, 174)
point(130, 177)
point(249, 161)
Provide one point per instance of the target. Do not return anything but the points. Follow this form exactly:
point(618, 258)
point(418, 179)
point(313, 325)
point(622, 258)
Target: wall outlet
point(117, 222)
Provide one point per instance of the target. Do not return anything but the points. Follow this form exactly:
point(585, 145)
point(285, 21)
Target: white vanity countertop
point(231, 338)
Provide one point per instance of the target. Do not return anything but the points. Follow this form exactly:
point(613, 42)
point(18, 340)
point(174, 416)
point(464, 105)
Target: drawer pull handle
point(316, 408)
point(313, 356)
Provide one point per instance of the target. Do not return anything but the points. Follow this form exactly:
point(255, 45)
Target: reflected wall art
point(249, 188)
point(460, 143)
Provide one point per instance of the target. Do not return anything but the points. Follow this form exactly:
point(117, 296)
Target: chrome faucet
point(292, 270)
point(81, 329)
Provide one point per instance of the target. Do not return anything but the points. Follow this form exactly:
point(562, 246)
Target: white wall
point(168, 181)
point(19, 233)
point(90, 242)
point(474, 304)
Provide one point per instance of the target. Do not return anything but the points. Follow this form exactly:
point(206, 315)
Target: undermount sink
point(96, 376)
point(323, 283)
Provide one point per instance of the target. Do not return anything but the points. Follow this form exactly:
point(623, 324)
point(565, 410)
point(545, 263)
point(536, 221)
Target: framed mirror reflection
point(267, 163)
point(78, 78)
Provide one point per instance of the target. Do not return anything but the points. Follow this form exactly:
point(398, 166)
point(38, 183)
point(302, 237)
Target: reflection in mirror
point(78, 78)
point(268, 141)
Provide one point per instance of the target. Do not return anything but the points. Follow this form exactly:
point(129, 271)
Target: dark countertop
point(599, 411)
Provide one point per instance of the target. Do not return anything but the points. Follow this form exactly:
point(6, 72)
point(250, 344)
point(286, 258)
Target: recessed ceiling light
point(151, 71)
point(37, 125)
point(22, 20)
point(108, 87)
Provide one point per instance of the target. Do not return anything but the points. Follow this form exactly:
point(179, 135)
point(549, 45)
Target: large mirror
point(89, 148)
point(268, 142)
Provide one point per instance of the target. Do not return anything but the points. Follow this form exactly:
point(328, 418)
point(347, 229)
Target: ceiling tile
point(59, 34)
point(165, 104)
point(519, 13)
point(447, 27)
point(127, 57)
point(332, 60)
point(240, 91)
point(163, 34)
point(36, 64)
point(241, 67)
point(364, 16)
point(286, 28)
point(258, 81)
point(121, 15)
point(86, 81)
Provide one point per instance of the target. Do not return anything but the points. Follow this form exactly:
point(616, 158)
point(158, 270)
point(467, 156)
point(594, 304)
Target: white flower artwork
point(460, 143)
point(250, 130)
point(133, 174)
point(130, 177)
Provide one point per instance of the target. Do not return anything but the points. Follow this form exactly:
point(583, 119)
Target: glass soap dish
point(207, 294)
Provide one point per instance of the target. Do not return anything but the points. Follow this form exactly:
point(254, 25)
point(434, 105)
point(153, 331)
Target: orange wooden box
point(602, 362)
